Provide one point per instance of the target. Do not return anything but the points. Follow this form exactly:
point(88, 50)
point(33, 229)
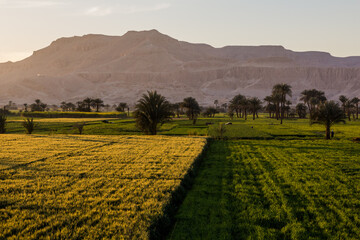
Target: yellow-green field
point(66, 120)
point(75, 187)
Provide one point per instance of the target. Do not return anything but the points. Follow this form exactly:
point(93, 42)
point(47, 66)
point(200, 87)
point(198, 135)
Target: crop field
point(75, 187)
point(274, 189)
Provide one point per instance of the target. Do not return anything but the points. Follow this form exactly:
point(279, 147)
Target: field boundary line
point(162, 225)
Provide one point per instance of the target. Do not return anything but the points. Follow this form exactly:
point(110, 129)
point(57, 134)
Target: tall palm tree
point(269, 107)
point(121, 107)
point(88, 103)
point(312, 98)
point(236, 104)
point(301, 110)
point(282, 90)
point(343, 99)
point(349, 108)
point(328, 114)
point(98, 103)
point(356, 102)
point(255, 106)
point(216, 102)
point(192, 108)
point(150, 111)
point(245, 105)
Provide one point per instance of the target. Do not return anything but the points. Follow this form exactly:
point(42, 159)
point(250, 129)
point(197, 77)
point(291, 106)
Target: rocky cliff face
point(123, 68)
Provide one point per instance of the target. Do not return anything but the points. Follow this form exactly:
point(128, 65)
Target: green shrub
point(29, 125)
point(79, 127)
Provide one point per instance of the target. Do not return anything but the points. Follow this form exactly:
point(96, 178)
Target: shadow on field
point(230, 200)
point(162, 224)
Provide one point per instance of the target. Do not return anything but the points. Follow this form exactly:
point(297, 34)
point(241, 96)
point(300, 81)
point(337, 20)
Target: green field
point(272, 189)
point(263, 180)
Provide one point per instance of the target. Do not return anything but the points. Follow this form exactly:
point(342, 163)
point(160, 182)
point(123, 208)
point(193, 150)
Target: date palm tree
point(87, 104)
point(150, 111)
point(312, 98)
point(282, 90)
point(192, 108)
point(356, 102)
point(255, 106)
point(301, 110)
point(343, 99)
point(98, 103)
point(236, 104)
point(328, 114)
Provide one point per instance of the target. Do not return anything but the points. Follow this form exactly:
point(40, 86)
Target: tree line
point(86, 105)
point(153, 109)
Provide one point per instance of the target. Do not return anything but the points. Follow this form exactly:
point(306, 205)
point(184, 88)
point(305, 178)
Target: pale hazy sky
point(300, 25)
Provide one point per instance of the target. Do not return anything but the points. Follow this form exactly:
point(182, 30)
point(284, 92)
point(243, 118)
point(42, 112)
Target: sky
point(300, 25)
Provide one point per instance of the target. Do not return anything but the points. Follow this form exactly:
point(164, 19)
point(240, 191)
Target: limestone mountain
point(122, 68)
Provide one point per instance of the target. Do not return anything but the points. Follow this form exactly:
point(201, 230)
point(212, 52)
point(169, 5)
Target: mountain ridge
point(121, 68)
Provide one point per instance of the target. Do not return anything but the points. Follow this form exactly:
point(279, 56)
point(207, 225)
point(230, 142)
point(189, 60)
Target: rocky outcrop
point(123, 68)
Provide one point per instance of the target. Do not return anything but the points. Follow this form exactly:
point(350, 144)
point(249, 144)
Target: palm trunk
point(281, 114)
point(327, 131)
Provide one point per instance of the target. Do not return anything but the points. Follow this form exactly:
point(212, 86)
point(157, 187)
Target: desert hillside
point(121, 68)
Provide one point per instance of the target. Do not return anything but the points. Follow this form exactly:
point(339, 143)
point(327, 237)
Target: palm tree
point(356, 102)
point(98, 103)
point(349, 107)
point(312, 98)
point(25, 107)
point(236, 104)
point(176, 107)
point(328, 114)
point(255, 106)
point(63, 106)
point(192, 108)
point(282, 90)
point(301, 110)
point(150, 111)
point(225, 106)
point(121, 107)
point(343, 101)
point(216, 102)
point(88, 103)
point(269, 106)
point(244, 104)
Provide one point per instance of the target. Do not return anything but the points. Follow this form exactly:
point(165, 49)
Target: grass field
point(262, 181)
point(272, 189)
point(75, 187)
point(261, 128)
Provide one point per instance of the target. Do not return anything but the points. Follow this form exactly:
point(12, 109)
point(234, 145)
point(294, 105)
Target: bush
point(79, 127)
point(217, 131)
point(2, 123)
point(29, 125)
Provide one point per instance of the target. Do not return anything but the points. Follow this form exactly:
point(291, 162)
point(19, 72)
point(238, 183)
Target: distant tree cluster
point(241, 106)
point(86, 105)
